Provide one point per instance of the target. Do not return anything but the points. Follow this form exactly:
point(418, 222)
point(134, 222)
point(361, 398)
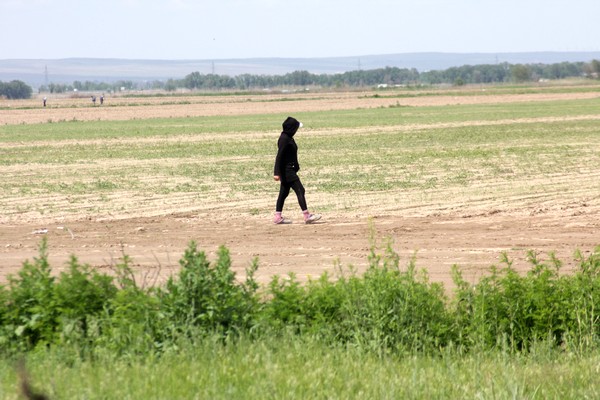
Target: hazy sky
point(218, 29)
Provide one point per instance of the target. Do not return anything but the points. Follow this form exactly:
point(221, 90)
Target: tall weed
point(512, 310)
point(30, 314)
point(207, 295)
point(385, 309)
point(132, 323)
point(41, 309)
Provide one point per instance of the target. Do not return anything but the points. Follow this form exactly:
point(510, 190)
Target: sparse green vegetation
point(426, 146)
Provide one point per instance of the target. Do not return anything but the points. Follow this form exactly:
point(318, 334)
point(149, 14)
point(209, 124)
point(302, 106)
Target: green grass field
point(300, 369)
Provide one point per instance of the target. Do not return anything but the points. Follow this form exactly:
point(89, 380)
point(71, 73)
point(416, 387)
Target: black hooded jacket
point(286, 162)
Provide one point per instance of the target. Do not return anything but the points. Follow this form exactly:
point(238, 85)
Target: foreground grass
point(386, 334)
point(303, 369)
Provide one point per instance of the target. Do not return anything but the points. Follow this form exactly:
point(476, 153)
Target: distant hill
point(37, 72)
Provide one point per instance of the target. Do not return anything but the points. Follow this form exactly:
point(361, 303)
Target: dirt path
point(156, 244)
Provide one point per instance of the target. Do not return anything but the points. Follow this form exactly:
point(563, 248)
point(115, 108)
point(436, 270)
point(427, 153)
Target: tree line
point(15, 90)
point(393, 76)
point(467, 74)
point(90, 86)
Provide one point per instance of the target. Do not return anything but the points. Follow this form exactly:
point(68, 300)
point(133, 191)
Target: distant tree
point(128, 85)
point(300, 78)
point(56, 88)
point(15, 90)
point(432, 77)
point(156, 84)
point(193, 80)
point(595, 64)
point(520, 73)
point(171, 85)
point(247, 81)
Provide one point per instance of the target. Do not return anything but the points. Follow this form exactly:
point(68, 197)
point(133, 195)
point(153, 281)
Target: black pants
point(284, 190)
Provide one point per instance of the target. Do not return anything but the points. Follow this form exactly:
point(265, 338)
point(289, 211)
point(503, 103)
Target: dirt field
point(467, 230)
point(121, 108)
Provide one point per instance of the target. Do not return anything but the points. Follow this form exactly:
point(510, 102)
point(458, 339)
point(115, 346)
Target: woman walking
point(286, 172)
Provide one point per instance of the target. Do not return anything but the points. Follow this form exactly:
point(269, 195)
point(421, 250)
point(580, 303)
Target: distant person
point(101, 99)
point(286, 172)
point(44, 101)
point(94, 100)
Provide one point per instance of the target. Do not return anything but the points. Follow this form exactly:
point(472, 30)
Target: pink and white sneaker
point(310, 218)
point(278, 219)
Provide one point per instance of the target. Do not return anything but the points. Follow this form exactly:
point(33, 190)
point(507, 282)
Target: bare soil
point(463, 229)
point(64, 108)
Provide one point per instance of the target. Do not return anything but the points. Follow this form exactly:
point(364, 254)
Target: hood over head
point(291, 125)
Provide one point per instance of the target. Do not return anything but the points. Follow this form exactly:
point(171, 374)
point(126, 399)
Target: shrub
point(81, 295)
point(285, 307)
point(41, 309)
point(132, 322)
point(385, 309)
point(581, 300)
point(509, 309)
point(30, 313)
point(208, 296)
point(393, 309)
